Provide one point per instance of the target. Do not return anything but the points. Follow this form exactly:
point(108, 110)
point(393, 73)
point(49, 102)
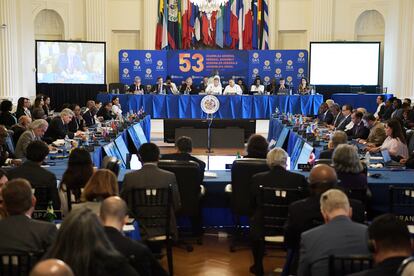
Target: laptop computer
point(388, 162)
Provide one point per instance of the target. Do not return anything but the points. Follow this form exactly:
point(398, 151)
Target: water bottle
point(367, 158)
point(86, 138)
point(67, 144)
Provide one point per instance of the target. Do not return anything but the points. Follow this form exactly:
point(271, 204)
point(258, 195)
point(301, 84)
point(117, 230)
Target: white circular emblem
point(210, 104)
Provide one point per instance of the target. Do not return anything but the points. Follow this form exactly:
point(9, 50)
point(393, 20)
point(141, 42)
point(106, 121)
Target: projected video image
point(70, 62)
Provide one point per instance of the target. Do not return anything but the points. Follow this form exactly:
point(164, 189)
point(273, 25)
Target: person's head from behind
point(389, 237)
point(184, 144)
point(102, 184)
point(39, 127)
point(18, 198)
point(346, 110)
point(66, 115)
point(346, 160)
point(277, 157)
point(334, 203)
point(322, 177)
point(339, 137)
point(257, 146)
point(25, 121)
point(6, 106)
point(51, 267)
point(114, 212)
point(380, 99)
point(356, 117)
point(148, 152)
point(37, 151)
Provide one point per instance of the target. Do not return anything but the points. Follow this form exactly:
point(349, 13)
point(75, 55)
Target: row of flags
point(240, 24)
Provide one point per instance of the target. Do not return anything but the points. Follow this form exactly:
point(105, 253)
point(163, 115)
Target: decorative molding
point(322, 22)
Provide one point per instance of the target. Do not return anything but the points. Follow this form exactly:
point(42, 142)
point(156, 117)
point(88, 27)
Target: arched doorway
point(49, 25)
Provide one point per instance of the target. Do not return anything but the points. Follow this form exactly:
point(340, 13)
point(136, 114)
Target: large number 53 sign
point(186, 65)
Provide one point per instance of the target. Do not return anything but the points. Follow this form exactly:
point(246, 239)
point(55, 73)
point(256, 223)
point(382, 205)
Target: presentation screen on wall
point(70, 62)
point(344, 63)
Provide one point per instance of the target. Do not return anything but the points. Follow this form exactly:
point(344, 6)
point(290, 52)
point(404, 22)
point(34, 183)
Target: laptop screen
point(111, 150)
point(304, 155)
point(386, 156)
point(282, 137)
point(122, 148)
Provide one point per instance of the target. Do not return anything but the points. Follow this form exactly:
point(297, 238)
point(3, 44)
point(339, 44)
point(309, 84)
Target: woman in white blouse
point(116, 107)
point(257, 87)
point(215, 88)
point(395, 142)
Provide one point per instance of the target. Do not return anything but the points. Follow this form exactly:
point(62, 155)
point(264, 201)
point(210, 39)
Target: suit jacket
point(276, 177)
point(38, 177)
point(142, 259)
point(24, 140)
point(18, 131)
point(186, 157)
point(20, 112)
point(105, 114)
point(7, 119)
point(58, 130)
point(327, 117)
point(387, 113)
point(150, 176)
point(387, 267)
point(89, 118)
point(156, 90)
point(358, 131)
point(287, 87)
point(339, 236)
point(343, 123)
point(193, 89)
point(22, 234)
point(76, 124)
point(133, 88)
point(337, 119)
point(38, 113)
point(377, 134)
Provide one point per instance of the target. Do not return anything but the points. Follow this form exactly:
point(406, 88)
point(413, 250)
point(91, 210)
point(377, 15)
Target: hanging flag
point(247, 25)
point(212, 27)
point(205, 29)
point(241, 17)
point(255, 9)
point(219, 28)
point(226, 25)
point(234, 27)
point(186, 13)
point(161, 37)
point(196, 16)
point(259, 23)
point(173, 24)
point(265, 19)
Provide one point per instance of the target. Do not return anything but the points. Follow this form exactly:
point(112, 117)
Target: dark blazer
point(156, 90)
point(133, 88)
point(58, 130)
point(339, 236)
point(193, 89)
point(326, 154)
point(353, 180)
point(22, 234)
point(20, 112)
point(105, 114)
point(337, 119)
point(38, 113)
point(17, 132)
point(387, 267)
point(141, 257)
point(89, 118)
point(185, 157)
point(76, 124)
point(358, 131)
point(276, 177)
point(150, 176)
point(38, 177)
point(327, 118)
point(7, 119)
point(344, 122)
point(202, 87)
point(287, 87)
point(387, 113)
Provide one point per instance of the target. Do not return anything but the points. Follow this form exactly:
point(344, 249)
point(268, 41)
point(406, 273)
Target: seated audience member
point(359, 130)
point(188, 87)
point(389, 109)
point(363, 110)
point(6, 156)
point(98, 104)
point(38, 177)
point(150, 176)
point(338, 137)
point(380, 108)
point(20, 127)
point(376, 131)
point(408, 117)
point(282, 88)
point(232, 88)
point(58, 127)
point(106, 112)
point(346, 119)
point(339, 235)
point(257, 87)
point(51, 267)
point(203, 85)
point(89, 114)
point(116, 108)
point(137, 87)
point(77, 123)
point(46, 106)
point(330, 103)
point(114, 214)
point(271, 88)
point(398, 109)
point(35, 133)
point(171, 88)
point(407, 267)
point(18, 232)
point(102, 184)
point(408, 162)
point(23, 105)
point(390, 240)
point(306, 214)
point(6, 118)
point(336, 114)
point(349, 168)
point(278, 176)
point(82, 244)
point(408, 101)
point(3, 180)
point(324, 114)
point(257, 147)
point(215, 88)
point(37, 110)
point(303, 87)
point(240, 82)
point(77, 174)
point(160, 87)
point(395, 142)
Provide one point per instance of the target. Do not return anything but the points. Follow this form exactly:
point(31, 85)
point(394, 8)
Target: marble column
point(273, 24)
point(8, 49)
point(322, 20)
point(149, 24)
point(96, 18)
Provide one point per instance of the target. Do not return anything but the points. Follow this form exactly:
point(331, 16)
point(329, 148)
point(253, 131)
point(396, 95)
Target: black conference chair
point(116, 85)
point(344, 265)
point(401, 200)
point(242, 172)
point(152, 208)
point(189, 181)
point(18, 264)
point(323, 161)
point(43, 197)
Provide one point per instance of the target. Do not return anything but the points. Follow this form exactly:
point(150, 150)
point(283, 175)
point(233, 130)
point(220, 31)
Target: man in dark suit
point(338, 137)
point(188, 87)
point(35, 133)
point(58, 127)
point(336, 114)
point(277, 176)
point(18, 232)
point(137, 87)
point(32, 171)
point(159, 87)
point(346, 113)
point(306, 214)
point(390, 242)
point(89, 115)
point(20, 127)
point(359, 130)
point(325, 114)
point(282, 87)
point(114, 214)
point(150, 176)
point(339, 235)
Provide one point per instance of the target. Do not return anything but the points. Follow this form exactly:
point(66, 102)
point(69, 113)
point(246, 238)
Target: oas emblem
point(125, 54)
point(148, 55)
point(267, 63)
point(148, 71)
point(137, 62)
point(278, 71)
point(300, 70)
point(159, 63)
point(301, 54)
point(255, 71)
point(210, 104)
point(126, 71)
point(289, 62)
point(289, 79)
point(255, 55)
point(278, 55)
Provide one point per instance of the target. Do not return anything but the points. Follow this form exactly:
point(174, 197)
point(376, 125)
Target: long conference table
point(231, 106)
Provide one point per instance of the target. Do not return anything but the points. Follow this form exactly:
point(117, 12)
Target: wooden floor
point(213, 258)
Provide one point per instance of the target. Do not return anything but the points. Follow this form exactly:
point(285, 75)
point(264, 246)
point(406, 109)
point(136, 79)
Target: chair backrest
point(357, 193)
point(344, 265)
point(43, 195)
point(18, 264)
point(411, 142)
point(187, 174)
point(242, 172)
point(274, 203)
point(401, 200)
point(323, 161)
point(116, 85)
point(151, 207)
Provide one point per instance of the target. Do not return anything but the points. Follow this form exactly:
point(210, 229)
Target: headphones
point(404, 264)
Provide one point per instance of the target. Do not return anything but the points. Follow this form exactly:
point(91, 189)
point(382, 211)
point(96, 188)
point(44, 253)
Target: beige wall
point(293, 23)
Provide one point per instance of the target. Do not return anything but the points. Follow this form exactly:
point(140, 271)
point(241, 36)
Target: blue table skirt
point(231, 107)
point(359, 100)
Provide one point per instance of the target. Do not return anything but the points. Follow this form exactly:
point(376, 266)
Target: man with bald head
point(114, 215)
point(51, 267)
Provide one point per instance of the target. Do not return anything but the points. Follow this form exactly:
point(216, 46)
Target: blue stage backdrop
point(146, 64)
point(289, 64)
